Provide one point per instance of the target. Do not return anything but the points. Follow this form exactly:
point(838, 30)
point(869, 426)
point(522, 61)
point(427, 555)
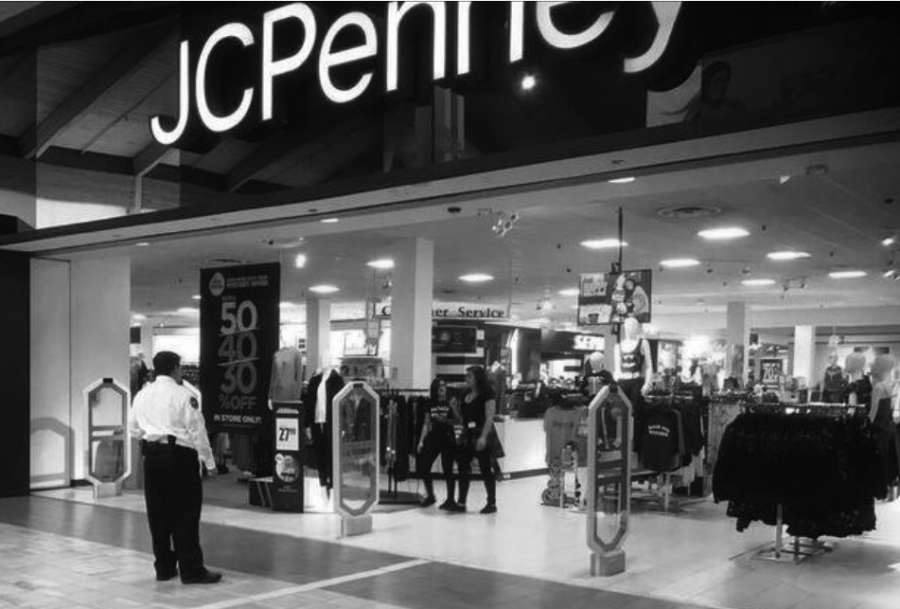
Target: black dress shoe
point(428, 501)
point(207, 577)
point(164, 576)
point(490, 508)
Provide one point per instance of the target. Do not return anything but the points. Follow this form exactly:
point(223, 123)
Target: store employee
point(166, 419)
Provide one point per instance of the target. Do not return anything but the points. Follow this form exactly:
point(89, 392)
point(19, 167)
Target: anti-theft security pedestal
point(109, 455)
point(356, 479)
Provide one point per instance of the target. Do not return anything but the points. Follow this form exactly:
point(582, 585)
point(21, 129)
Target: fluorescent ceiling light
point(889, 241)
point(188, 311)
point(324, 289)
point(680, 263)
point(142, 244)
point(138, 317)
point(529, 82)
point(570, 292)
point(477, 278)
point(300, 261)
point(196, 297)
point(384, 264)
point(602, 244)
point(286, 305)
point(753, 283)
point(724, 234)
point(848, 274)
point(627, 180)
point(783, 256)
point(330, 220)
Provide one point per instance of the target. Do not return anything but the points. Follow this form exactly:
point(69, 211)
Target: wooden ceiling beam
point(42, 136)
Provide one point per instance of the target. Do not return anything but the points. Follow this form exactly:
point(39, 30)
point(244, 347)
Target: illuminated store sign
point(318, 49)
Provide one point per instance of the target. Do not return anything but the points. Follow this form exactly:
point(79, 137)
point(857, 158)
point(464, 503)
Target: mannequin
point(634, 364)
point(835, 381)
point(318, 419)
point(859, 388)
point(591, 384)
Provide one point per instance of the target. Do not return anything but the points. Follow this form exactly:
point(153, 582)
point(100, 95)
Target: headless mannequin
point(859, 390)
point(835, 381)
point(635, 373)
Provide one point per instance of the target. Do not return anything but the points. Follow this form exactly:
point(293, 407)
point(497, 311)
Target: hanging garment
point(287, 375)
point(318, 418)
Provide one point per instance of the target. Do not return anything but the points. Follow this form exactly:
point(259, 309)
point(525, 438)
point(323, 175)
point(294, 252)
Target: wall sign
point(470, 311)
point(239, 333)
point(608, 298)
point(321, 48)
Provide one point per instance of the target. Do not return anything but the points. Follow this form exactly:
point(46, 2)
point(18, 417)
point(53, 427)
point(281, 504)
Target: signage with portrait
point(610, 298)
point(456, 340)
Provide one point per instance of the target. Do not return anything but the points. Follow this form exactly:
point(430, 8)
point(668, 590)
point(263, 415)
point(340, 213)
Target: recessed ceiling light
point(783, 256)
point(724, 234)
point(603, 244)
point(848, 274)
point(300, 261)
point(330, 220)
point(384, 264)
point(680, 263)
point(138, 317)
point(529, 82)
point(324, 289)
point(758, 283)
point(142, 244)
point(889, 241)
point(570, 292)
point(477, 278)
point(627, 180)
point(286, 305)
point(196, 297)
point(189, 311)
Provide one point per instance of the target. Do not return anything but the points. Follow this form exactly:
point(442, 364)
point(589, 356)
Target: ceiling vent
point(689, 212)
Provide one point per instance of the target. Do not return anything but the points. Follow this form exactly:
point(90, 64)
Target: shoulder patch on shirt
point(194, 403)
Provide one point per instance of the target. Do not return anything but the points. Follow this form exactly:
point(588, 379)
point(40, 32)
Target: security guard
point(166, 418)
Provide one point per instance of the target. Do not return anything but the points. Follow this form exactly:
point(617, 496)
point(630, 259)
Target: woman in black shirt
point(478, 409)
point(437, 439)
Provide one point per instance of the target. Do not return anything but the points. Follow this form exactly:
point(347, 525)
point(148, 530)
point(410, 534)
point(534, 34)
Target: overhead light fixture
point(142, 244)
point(324, 289)
point(138, 317)
point(626, 180)
point(300, 261)
point(758, 283)
point(477, 278)
point(892, 274)
point(384, 264)
point(569, 293)
point(890, 241)
point(603, 244)
point(330, 220)
point(784, 180)
point(529, 82)
point(848, 274)
point(286, 305)
point(680, 263)
point(188, 311)
point(786, 256)
point(196, 297)
point(724, 234)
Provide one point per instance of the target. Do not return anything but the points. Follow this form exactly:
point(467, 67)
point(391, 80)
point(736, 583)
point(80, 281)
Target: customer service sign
point(239, 333)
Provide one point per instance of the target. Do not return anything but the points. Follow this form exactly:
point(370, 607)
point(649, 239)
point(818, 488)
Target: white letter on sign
point(215, 123)
point(272, 68)
point(329, 59)
point(666, 15)
point(168, 138)
point(561, 40)
point(396, 13)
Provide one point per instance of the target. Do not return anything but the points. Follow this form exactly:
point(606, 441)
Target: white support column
point(100, 336)
point(737, 333)
point(411, 304)
point(804, 353)
point(318, 334)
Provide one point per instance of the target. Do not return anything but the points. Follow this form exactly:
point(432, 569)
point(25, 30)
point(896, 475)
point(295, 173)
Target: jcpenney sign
point(319, 49)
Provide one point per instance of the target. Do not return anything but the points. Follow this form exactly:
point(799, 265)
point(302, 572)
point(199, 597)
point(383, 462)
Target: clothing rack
point(390, 419)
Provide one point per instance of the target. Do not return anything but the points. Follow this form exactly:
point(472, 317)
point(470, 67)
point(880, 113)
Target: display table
point(525, 446)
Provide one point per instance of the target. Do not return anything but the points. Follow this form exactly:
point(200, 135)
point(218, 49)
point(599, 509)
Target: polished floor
point(61, 549)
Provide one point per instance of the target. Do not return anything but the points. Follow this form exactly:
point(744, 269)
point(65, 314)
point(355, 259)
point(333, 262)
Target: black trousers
point(437, 444)
point(173, 490)
point(632, 388)
point(465, 454)
point(321, 436)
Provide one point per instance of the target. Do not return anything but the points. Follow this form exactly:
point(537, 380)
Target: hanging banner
point(610, 298)
point(239, 330)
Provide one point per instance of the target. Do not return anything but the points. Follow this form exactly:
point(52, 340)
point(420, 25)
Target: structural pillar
point(804, 354)
point(318, 335)
point(411, 303)
point(737, 334)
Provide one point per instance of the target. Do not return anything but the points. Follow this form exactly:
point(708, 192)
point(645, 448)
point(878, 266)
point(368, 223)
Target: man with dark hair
point(166, 418)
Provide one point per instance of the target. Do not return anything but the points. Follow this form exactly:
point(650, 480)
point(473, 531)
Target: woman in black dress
point(478, 408)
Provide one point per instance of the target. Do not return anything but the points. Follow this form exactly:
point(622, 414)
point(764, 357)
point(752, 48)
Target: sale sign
point(239, 334)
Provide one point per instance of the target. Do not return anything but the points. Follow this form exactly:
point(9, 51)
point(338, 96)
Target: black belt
point(164, 446)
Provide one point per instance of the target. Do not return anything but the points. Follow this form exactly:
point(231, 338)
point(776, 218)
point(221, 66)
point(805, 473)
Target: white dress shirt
point(165, 408)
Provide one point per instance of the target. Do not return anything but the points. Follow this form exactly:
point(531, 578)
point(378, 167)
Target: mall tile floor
point(60, 549)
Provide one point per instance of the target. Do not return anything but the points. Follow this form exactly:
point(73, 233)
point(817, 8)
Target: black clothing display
point(631, 363)
point(885, 432)
point(862, 388)
point(823, 469)
point(674, 431)
point(173, 491)
point(633, 390)
point(322, 432)
point(400, 438)
point(834, 385)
